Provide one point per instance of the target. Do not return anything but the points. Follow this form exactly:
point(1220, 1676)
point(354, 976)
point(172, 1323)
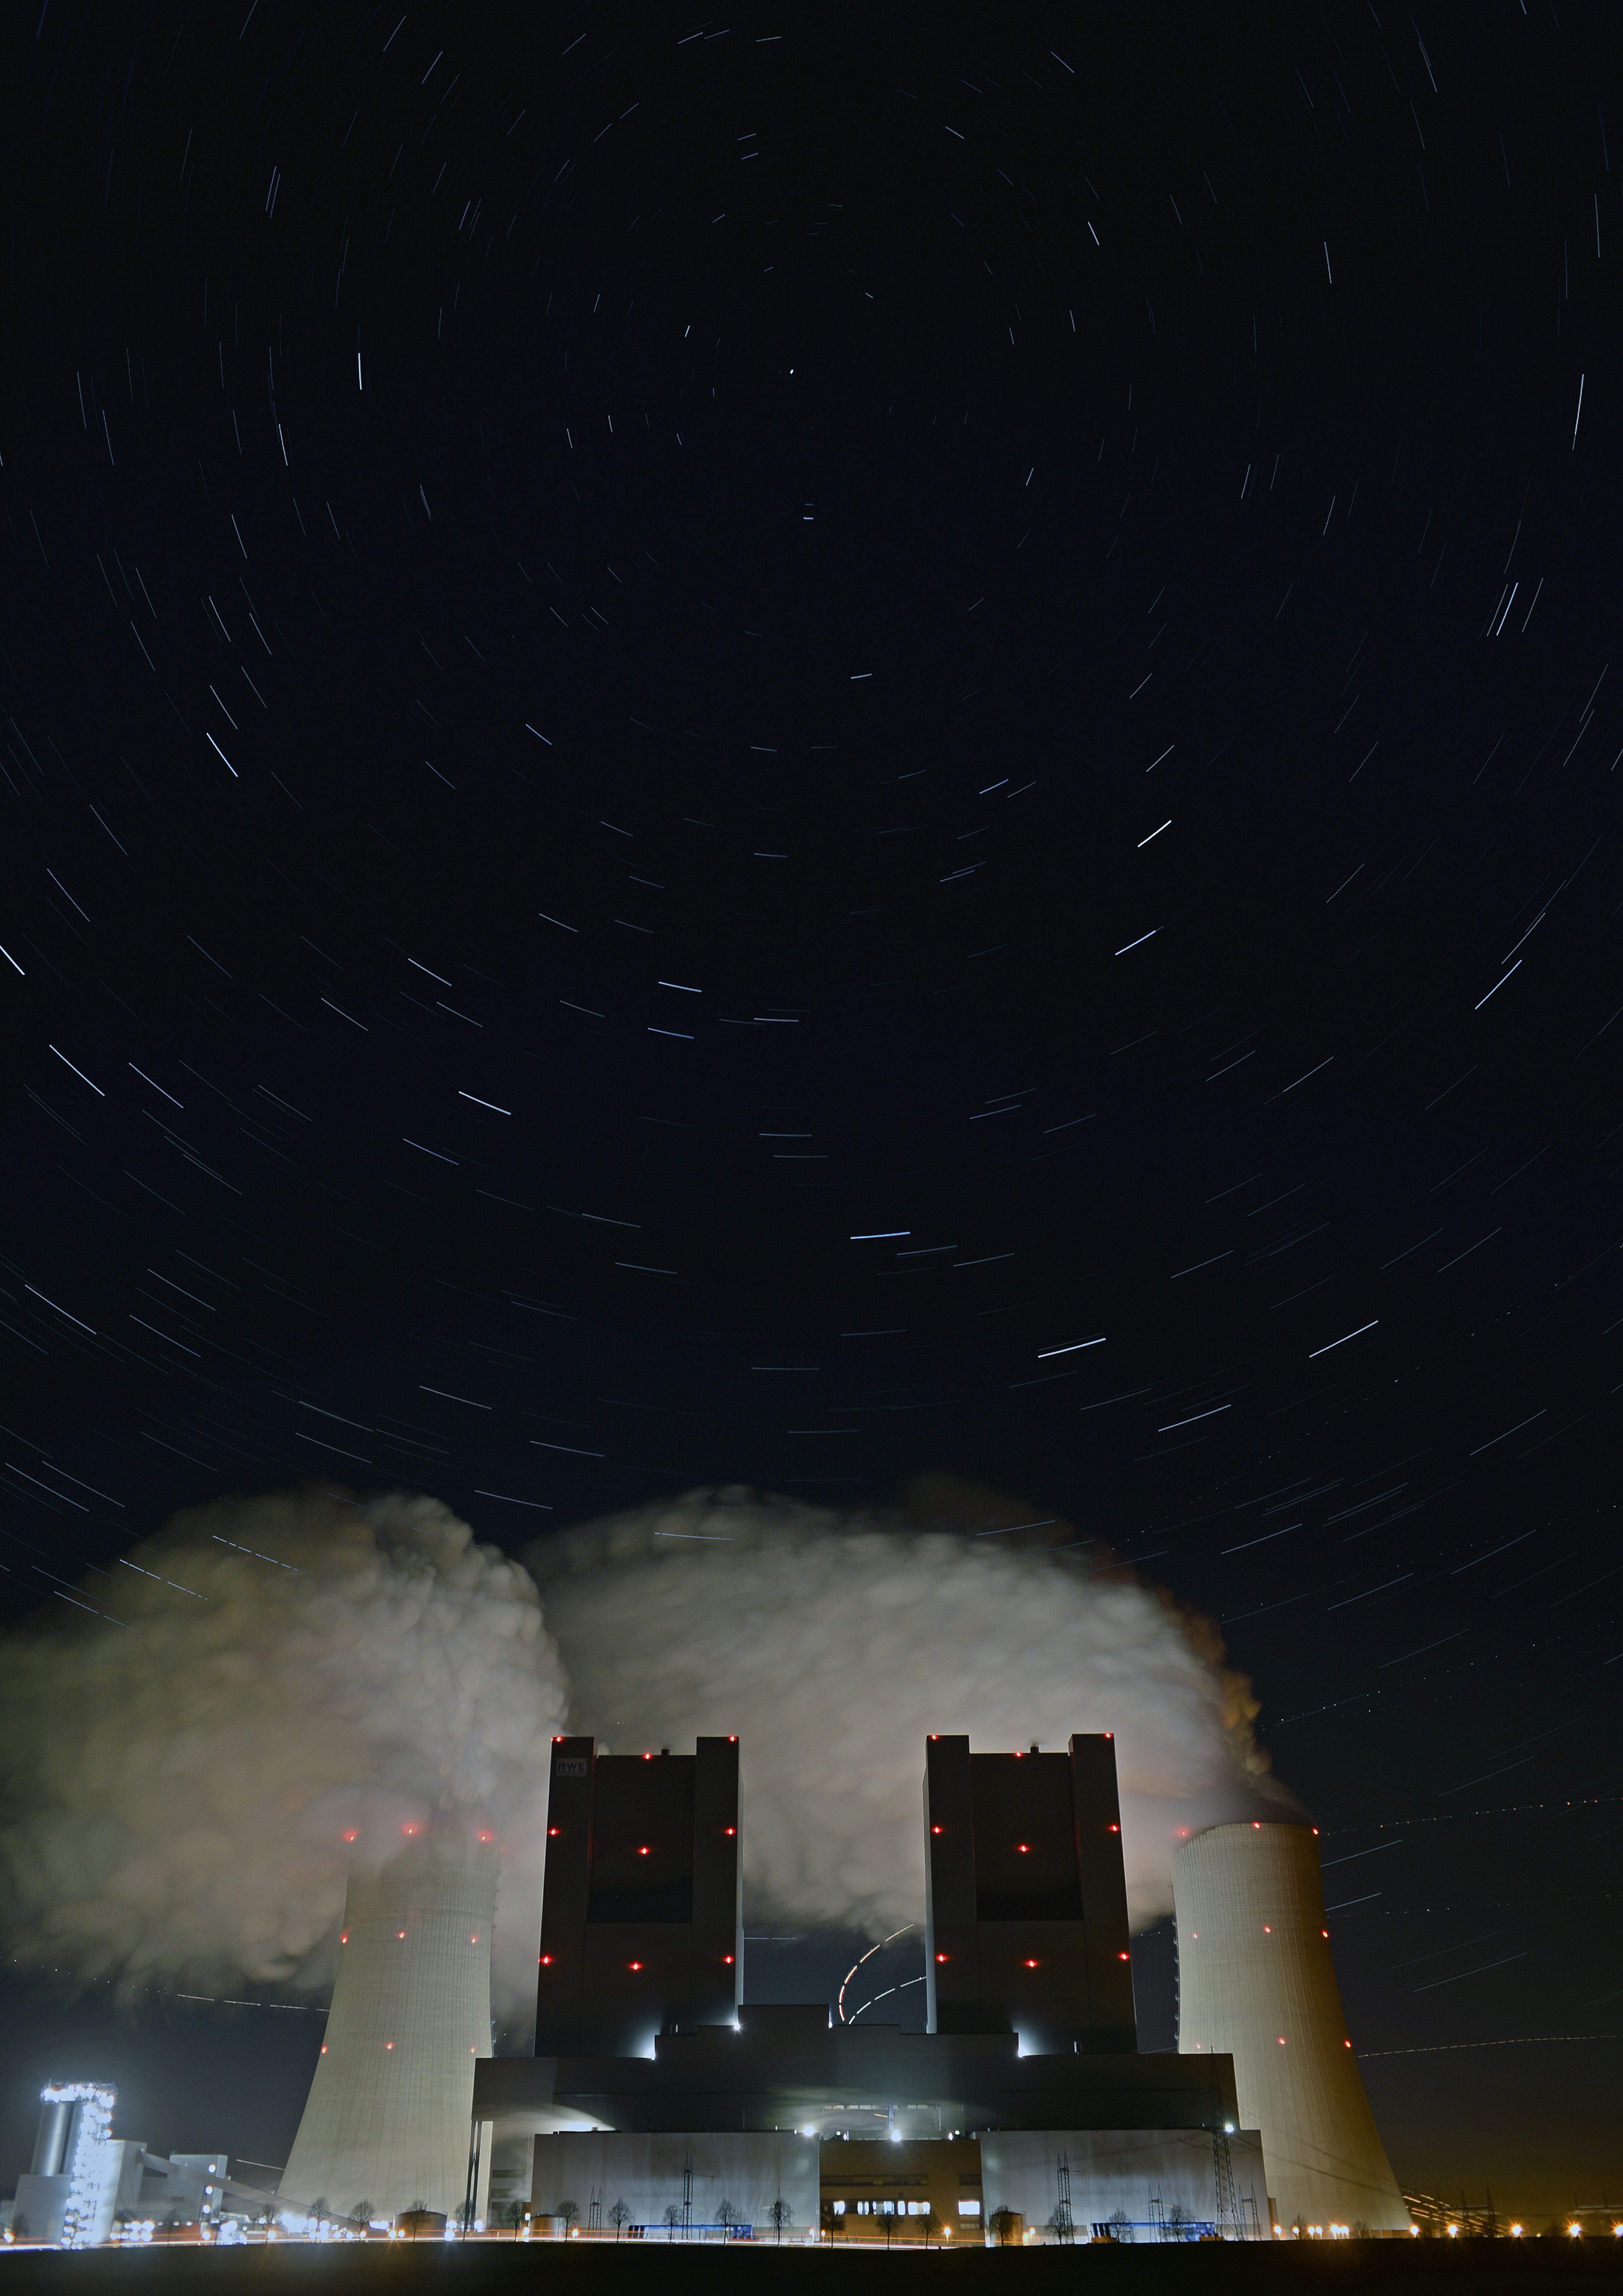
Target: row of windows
point(898, 2207)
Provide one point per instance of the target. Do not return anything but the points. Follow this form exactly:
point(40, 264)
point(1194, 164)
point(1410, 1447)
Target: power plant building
point(654, 2096)
point(1257, 1984)
point(642, 1925)
point(386, 2122)
point(1026, 1904)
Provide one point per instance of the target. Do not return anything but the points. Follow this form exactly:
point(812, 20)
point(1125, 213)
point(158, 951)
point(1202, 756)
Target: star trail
point(790, 753)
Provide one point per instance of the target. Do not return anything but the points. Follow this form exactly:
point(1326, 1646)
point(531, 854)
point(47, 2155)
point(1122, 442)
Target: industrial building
point(82, 2181)
point(1256, 1985)
point(385, 2127)
point(641, 1912)
point(654, 2096)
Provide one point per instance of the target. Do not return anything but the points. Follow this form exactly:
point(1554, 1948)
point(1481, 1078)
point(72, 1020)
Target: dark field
point(1494, 2268)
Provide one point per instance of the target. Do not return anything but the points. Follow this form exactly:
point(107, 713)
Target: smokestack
point(1256, 1978)
point(388, 2116)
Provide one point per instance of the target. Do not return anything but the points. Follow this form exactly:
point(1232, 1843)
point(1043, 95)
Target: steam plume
point(832, 1644)
point(178, 1776)
point(283, 1672)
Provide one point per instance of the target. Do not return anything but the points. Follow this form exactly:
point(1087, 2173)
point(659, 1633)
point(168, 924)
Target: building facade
point(642, 1930)
point(1026, 1908)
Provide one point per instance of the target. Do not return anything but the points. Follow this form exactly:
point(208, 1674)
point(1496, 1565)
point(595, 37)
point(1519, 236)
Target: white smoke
point(269, 1677)
point(180, 1776)
point(832, 1646)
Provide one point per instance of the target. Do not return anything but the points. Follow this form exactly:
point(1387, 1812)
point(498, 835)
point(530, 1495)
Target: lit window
point(839, 2207)
point(968, 2208)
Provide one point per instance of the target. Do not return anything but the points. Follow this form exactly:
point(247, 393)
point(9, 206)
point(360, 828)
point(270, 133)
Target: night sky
point(792, 749)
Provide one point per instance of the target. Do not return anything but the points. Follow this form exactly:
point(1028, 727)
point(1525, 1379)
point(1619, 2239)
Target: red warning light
point(935, 1829)
point(1268, 1928)
point(1124, 1957)
point(731, 1737)
point(352, 1834)
point(730, 1830)
point(727, 1959)
point(487, 1837)
point(553, 1830)
point(324, 2048)
point(399, 1933)
point(1031, 1964)
point(1346, 2045)
point(345, 1938)
point(1115, 1829)
point(1023, 1846)
point(546, 1961)
point(1255, 1825)
point(943, 1956)
point(648, 1758)
point(642, 1852)
point(388, 2045)
point(634, 1964)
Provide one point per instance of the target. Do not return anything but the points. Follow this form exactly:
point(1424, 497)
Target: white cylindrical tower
point(1256, 1978)
point(387, 2120)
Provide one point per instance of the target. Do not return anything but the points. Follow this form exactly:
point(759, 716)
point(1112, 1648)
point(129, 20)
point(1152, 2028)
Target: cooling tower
point(1256, 1978)
point(388, 2116)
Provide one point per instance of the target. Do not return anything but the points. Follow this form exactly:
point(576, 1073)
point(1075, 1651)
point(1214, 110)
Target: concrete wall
point(1118, 2169)
point(647, 2171)
point(1256, 1978)
point(388, 2116)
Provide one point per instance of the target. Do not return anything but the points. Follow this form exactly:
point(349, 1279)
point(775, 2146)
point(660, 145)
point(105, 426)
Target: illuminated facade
point(642, 1926)
point(1256, 1978)
point(387, 2119)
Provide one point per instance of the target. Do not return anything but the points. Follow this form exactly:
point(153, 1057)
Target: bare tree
point(360, 2213)
point(672, 2215)
point(567, 2212)
point(620, 2217)
point(780, 2215)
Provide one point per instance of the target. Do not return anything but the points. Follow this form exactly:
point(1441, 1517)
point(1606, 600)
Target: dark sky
point(927, 693)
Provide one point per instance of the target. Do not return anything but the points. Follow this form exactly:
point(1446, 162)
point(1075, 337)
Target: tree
point(672, 2215)
point(567, 2211)
point(1002, 2221)
point(1121, 2226)
point(726, 2216)
point(319, 2211)
point(780, 2215)
point(20, 2225)
point(360, 2213)
point(620, 2217)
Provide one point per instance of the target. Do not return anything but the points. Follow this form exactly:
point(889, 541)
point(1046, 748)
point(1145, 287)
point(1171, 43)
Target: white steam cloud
point(178, 1776)
point(832, 1645)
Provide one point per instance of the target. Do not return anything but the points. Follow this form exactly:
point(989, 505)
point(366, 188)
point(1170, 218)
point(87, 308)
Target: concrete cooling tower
point(388, 2115)
point(1256, 1978)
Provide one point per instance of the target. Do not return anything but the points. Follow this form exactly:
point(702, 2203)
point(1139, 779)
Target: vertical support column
point(1102, 1878)
point(561, 1977)
point(951, 1960)
point(716, 1984)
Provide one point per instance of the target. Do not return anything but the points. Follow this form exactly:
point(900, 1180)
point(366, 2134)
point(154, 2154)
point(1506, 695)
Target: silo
point(387, 2120)
point(1256, 1978)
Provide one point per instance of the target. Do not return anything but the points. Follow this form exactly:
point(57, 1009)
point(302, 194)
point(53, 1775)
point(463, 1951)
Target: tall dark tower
point(642, 1927)
point(1026, 1904)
